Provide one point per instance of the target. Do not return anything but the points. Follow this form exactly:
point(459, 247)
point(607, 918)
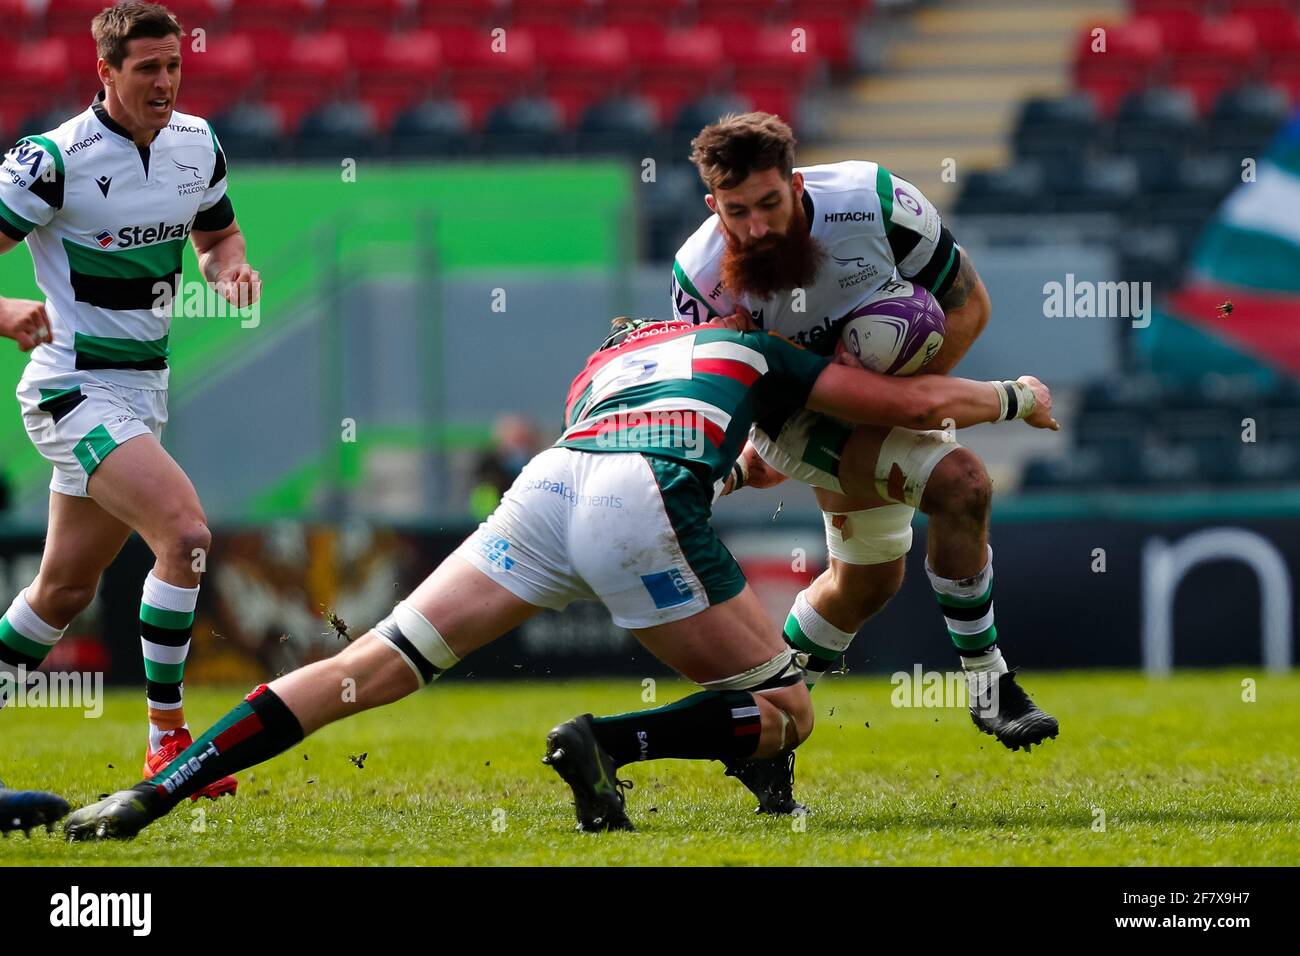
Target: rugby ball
point(896, 330)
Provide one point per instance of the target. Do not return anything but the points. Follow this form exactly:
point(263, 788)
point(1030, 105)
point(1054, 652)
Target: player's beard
point(775, 263)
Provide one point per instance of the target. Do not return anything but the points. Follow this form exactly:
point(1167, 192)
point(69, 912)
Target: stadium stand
point(382, 65)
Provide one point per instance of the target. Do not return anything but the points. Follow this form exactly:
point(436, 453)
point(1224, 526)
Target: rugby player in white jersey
point(616, 511)
point(795, 250)
point(105, 203)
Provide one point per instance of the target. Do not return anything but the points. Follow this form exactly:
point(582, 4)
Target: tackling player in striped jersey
point(616, 511)
point(795, 250)
point(105, 204)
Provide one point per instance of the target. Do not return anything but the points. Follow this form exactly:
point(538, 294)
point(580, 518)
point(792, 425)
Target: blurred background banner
point(449, 200)
point(1155, 588)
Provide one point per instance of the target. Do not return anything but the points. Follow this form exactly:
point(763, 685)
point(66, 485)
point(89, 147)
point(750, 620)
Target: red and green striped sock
point(260, 728)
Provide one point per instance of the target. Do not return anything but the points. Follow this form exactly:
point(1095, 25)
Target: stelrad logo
point(77, 909)
point(131, 236)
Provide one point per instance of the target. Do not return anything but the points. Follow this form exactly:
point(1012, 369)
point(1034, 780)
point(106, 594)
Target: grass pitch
point(1174, 772)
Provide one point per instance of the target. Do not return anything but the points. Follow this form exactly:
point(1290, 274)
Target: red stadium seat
point(779, 56)
point(834, 25)
point(314, 68)
point(694, 52)
point(18, 18)
point(772, 98)
point(1277, 26)
point(461, 13)
point(262, 15)
point(67, 17)
point(594, 55)
point(402, 68)
point(715, 12)
point(660, 14)
point(481, 79)
point(1131, 58)
point(270, 45)
point(1178, 27)
point(38, 70)
point(1228, 42)
point(1142, 8)
point(571, 13)
point(195, 14)
point(225, 69)
point(373, 15)
point(475, 60)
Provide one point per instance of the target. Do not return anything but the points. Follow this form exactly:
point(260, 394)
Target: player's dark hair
point(727, 151)
point(118, 25)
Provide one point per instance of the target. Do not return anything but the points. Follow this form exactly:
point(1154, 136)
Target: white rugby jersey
point(106, 223)
point(874, 227)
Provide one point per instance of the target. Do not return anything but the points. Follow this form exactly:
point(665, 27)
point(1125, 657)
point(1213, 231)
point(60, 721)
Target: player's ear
point(796, 183)
point(103, 69)
point(710, 202)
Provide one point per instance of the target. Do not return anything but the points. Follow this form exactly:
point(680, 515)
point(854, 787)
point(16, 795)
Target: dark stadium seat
point(698, 113)
point(45, 119)
point(250, 131)
point(336, 131)
point(528, 125)
point(1050, 126)
point(1077, 469)
point(431, 128)
point(625, 125)
point(1015, 190)
point(1161, 117)
point(1245, 119)
point(1106, 184)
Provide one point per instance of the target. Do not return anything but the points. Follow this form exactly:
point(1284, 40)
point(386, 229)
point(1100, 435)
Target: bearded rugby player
point(796, 250)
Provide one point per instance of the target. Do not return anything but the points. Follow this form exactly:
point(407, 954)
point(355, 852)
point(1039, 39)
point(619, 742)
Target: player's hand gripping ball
point(896, 330)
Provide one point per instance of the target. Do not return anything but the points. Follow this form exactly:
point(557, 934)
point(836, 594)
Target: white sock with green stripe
point(812, 635)
point(25, 640)
point(967, 605)
point(166, 619)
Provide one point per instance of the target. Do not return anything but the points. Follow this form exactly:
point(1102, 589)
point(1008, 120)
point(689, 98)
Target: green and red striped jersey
point(687, 392)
